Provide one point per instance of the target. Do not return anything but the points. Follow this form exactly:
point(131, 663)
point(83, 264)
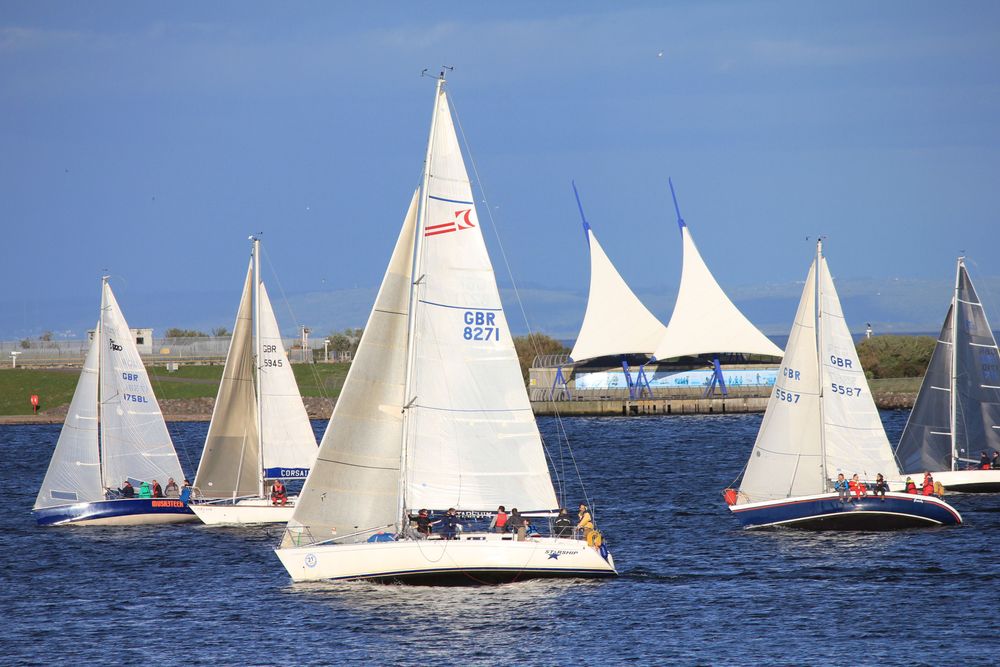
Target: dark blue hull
point(124, 512)
point(827, 512)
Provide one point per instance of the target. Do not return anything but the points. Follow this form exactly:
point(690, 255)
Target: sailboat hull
point(827, 512)
point(472, 559)
point(969, 481)
point(124, 512)
point(251, 511)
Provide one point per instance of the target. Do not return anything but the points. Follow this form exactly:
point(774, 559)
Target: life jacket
point(501, 519)
point(278, 489)
point(911, 488)
point(928, 489)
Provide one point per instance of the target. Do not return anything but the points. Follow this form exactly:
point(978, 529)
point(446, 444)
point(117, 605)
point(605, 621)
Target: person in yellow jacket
point(586, 524)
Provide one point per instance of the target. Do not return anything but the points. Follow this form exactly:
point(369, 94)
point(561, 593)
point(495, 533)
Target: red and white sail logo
point(463, 220)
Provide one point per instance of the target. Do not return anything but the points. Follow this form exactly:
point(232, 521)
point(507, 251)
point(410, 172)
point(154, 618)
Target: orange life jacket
point(501, 519)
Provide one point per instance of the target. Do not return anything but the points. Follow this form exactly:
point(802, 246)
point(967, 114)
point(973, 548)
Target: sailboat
point(821, 421)
point(957, 412)
point(433, 415)
point(114, 431)
point(260, 431)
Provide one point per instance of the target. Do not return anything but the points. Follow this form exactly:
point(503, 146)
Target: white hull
point(251, 511)
point(474, 558)
point(969, 480)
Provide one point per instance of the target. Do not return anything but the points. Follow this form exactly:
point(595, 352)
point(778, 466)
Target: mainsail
point(289, 446)
point(434, 412)
point(957, 411)
point(821, 419)
point(74, 473)
point(471, 442)
point(134, 438)
point(230, 463)
point(616, 321)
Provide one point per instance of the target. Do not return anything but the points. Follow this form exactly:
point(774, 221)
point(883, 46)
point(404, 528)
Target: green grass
point(55, 386)
point(900, 385)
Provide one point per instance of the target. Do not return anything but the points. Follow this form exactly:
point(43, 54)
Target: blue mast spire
point(680, 220)
point(586, 225)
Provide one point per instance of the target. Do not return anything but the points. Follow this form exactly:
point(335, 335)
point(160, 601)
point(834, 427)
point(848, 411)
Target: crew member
point(279, 496)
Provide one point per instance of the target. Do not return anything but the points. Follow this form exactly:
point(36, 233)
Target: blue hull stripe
point(110, 509)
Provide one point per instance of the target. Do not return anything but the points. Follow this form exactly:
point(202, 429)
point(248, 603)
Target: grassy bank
point(55, 386)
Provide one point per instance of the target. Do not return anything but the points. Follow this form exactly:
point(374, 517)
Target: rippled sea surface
point(694, 588)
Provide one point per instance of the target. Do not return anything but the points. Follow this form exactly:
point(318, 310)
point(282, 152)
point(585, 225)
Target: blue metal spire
point(586, 225)
point(680, 220)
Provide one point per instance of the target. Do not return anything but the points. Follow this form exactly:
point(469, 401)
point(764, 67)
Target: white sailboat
point(957, 412)
point(433, 415)
point(114, 431)
point(260, 431)
point(820, 421)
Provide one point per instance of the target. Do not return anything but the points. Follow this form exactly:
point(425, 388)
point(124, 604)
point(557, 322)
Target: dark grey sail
point(926, 441)
point(977, 380)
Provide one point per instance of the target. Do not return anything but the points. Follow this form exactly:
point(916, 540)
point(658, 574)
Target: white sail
point(74, 473)
point(287, 440)
point(787, 456)
point(472, 442)
point(854, 434)
point(134, 438)
point(616, 321)
point(230, 462)
point(354, 483)
point(704, 319)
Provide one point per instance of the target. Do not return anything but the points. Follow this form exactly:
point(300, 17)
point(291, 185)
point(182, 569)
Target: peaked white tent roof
point(616, 322)
point(704, 319)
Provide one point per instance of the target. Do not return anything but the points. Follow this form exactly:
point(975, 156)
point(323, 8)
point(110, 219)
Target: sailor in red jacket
point(858, 487)
point(928, 487)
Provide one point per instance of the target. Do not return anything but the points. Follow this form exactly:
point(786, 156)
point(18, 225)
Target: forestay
point(134, 436)
point(230, 464)
point(787, 456)
point(288, 443)
point(472, 442)
point(354, 484)
point(74, 473)
point(854, 435)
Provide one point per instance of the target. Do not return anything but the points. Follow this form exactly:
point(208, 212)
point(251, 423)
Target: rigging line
point(320, 386)
point(510, 274)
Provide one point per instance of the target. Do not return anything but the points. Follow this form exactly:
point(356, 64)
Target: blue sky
point(150, 139)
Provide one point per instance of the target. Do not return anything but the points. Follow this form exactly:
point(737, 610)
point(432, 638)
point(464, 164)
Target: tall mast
point(258, 360)
point(100, 388)
point(415, 279)
point(953, 404)
point(819, 360)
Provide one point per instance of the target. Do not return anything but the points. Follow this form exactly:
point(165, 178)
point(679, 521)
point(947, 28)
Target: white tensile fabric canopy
point(616, 322)
point(704, 319)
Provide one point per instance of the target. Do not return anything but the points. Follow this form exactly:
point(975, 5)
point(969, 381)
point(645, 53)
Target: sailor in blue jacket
point(843, 488)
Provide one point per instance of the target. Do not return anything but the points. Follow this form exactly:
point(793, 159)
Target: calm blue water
point(695, 589)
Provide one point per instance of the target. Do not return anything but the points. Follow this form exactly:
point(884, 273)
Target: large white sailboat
point(433, 415)
point(821, 421)
point(260, 431)
point(957, 412)
point(114, 432)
